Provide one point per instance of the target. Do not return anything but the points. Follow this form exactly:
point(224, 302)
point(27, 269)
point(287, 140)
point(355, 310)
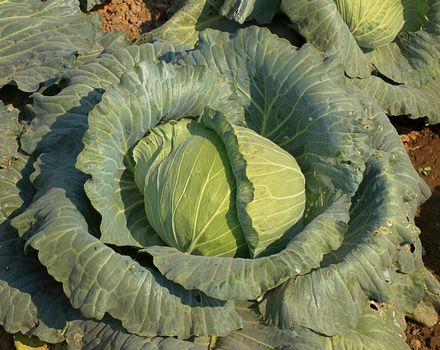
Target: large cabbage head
point(219, 197)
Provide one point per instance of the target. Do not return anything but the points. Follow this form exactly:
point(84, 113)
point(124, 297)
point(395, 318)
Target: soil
point(133, 17)
point(423, 147)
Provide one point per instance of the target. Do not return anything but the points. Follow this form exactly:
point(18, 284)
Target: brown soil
point(133, 17)
point(423, 147)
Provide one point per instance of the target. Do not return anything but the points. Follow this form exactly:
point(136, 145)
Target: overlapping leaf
point(66, 113)
point(12, 163)
point(146, 96)
point(38, 39)
point(379, 224)
point(186, 23)
point(95, 278)
point(244, 10)
point(297, 99)
point(405, 70)
point(31, 302)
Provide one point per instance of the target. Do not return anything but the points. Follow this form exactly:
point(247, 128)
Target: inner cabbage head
point(373, 23)
point(184, 171)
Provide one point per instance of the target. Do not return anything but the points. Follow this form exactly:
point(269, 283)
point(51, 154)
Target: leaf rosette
point(388, 48)
point(170, 214)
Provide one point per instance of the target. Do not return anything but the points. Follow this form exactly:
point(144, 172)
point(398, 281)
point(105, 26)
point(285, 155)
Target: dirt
point(133, 17)
point(423, 147)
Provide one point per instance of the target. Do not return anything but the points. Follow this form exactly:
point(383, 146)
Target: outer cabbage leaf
point(257, 336)
point(88, 334)
point(323, 300)
point(416, 102)
point(405, 68)
point(38, 39)
point(186, 23)
point(13, 165)
point(389, 194)
point(245, 10)
point(375, 330)
point(96, 279)
point(320, 23)
point(66, 113)
point(31, 302)
point(146, 96)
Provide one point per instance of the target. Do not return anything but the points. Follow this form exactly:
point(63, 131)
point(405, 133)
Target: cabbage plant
point(241, 194)
point(389, 48)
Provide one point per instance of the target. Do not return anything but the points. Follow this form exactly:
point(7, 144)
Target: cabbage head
point(194, 202)
point(240, 194)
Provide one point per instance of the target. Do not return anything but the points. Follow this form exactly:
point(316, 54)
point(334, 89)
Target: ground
point(133, 16)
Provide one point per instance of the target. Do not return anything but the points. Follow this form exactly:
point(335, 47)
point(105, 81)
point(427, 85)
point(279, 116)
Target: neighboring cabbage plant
point(40, 38)
point(169, 198)
point(390, 48)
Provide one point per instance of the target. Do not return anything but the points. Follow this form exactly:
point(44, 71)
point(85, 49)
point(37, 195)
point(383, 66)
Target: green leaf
point(320, 23)
point(323, 300)
point(372, 23)
point(233, 278)
point(264, 173)
point(31, 302)
point(406, 69)
point(88, 334)
point(257, 336)
point(299, 100)
point(412, 58)
point(240, 11)
point(188, 21)
point(96, 279)
point(66, 113)
point(147, 95)
point(415, 102)
point(38, 39)
point(14, 187)
point(375, 330)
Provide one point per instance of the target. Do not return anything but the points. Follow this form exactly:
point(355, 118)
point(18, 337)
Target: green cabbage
point(195, 204)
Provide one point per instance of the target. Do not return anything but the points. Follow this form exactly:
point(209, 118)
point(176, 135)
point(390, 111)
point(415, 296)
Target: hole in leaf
point(198, 297)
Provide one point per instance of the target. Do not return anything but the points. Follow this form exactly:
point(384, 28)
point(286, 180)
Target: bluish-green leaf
point(233, 278)
point(39, 38)
point(240, 11)
point(186, 23)
point(146, 96)
point(66, 113)
point(14, 167)
point(96, 279)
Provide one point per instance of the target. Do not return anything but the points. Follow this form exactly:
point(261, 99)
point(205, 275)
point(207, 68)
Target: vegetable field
point(220, 174)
